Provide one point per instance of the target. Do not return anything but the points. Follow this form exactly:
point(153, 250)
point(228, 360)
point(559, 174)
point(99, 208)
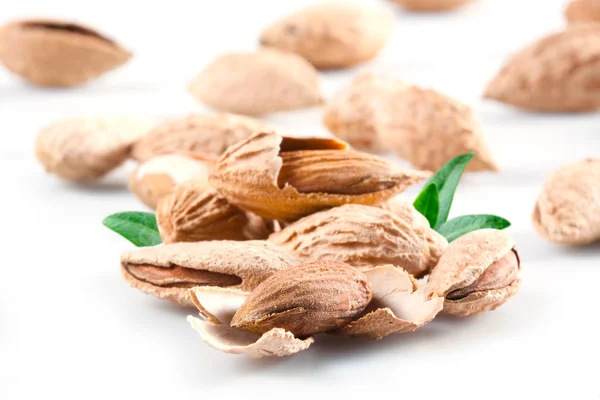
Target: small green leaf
point(459, 226)
point(446, 180)
point(428, 203)
point(138, 227)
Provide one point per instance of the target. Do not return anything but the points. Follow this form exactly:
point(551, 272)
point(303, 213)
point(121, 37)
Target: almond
point(57, 53)
point(305, 299)
point(257, 83)
point(583, 11)
point(431, 5)
point(558, 73)
point(331, 35)
point(197, 133)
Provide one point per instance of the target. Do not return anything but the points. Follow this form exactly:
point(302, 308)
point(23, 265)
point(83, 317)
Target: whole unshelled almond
point(195, 212)
point(428, 129)
point(157, 177)
point(431, 5)
point(364, 236)
point(555, 74)
point(568, 208)
point(57, 53)
point(305, 299)
point(198, 133)
point(332, 34)
point(583, 11)
point(257, 83)
point(283, 178)
point(84, 149)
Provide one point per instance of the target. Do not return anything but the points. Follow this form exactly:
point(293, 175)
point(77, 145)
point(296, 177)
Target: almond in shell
point(432, 5)
point(583, 11)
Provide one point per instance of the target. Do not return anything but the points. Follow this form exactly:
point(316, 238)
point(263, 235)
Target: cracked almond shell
point(57, 53)
point(217, 306)
point(398, 305)
point(160, 175)
point(464, 261)
point(583, 11)
point(432, 5)
point(364, 236)
point(558, 73)
point(428, 129)
point(197, 133)
point(257, 83)
point(170, 267)
point(196, 212)
point(568, 208)
point(253, 175)
point(331, 35)
point(84, 149)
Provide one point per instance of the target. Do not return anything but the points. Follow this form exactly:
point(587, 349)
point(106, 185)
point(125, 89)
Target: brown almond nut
point(568, 208)
point(431, 5)
point(353, 114)
point(332, 34)
point(206, 134)
point(57, 53)
point(583, 11)
point(555, 74)
point(365, 237)
point(257, 83)
point(168, 271)
point(305, 299)
point(254, 176)
point(428, 129)
point(478, 272)
point(84, 149)
point(196, 212)
point(158, 177)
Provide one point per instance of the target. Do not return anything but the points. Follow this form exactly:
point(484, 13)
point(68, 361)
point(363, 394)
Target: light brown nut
point(331, 35)
point(583, 11)
point(428, 129)
point(353, 114)
point(364, 236)
point(57, 53)
point(196, 212)
point(558, 73)
point(305, 299)
point(568, 208)
point(478, 272)
point(257, 83)
point(206, 134)
point(432, 5)
point(398, 305)
point(158, 177)
point(167, 271)
point(84, 149)
point(250, 176)
point(217, 306)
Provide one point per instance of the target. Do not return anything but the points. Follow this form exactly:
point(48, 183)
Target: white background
point(70, 327)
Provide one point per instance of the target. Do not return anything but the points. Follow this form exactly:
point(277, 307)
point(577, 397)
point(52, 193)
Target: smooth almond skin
point(556, 74)
point(248, 175)
point(85, 149)
point(305, 299)
point(160, 175)
point(57, 53)
point(470, 262)
point(365, 237)
point(428, 129)
point(197, 133)
point(331, 35)
point(582, 11)
point(567, 210)
point(168, 271)
point(196, 212)
point(262, 82)
point(353, 114)
point(432, 5)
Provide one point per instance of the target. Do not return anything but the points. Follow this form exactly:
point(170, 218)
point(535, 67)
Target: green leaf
point(428, 203)
point(459, 226)
point(138, 227)
point(446, 180)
